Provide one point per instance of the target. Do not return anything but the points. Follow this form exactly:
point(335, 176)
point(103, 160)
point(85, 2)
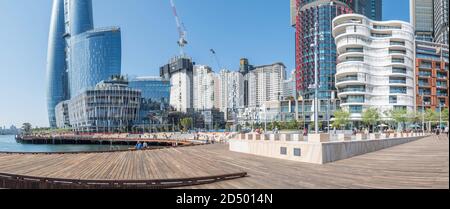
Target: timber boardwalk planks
point(419, 164)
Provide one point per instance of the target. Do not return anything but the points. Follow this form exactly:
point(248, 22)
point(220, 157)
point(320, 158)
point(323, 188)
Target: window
point(398, 43)
point(297, 152)
point(399, 70)
point(355, 109)
point(283, 150)
point(398, 90)
point(398, 60)
point(392, 99)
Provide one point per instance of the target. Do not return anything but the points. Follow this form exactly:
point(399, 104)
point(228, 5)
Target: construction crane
point(213, 52)
point(181, 29)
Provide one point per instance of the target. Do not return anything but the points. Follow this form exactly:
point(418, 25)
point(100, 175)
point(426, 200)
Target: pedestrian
point(145, 145)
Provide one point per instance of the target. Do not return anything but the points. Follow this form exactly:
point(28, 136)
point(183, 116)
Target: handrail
point(13, 181)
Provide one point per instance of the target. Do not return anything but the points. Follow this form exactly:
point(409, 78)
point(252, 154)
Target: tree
point(445, 114)
point(186, 123)
point(399, 116)
point(341, 118)
point(370, 117)
point(27, 128)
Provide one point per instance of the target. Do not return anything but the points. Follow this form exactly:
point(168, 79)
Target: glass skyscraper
point(95, 56)
point(308, 13)
point(56, 69)
point(79, 56)
point(369, 8)
point(421, 12)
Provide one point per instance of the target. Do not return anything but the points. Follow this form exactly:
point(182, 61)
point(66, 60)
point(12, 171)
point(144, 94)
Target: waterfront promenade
point(420, 164)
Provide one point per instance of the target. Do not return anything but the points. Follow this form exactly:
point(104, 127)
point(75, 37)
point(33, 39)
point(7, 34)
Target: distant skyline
point(233, 28)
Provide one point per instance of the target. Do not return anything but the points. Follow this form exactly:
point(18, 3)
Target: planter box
point(317, 138)
point(285, 137)
point(360, 137)
point(256, 136)
point(275, 137)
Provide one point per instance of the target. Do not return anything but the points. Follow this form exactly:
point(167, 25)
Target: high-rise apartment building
point(265, 83)
point(231, 96)
point(311, 14)
point(422, 18)
point(369, 8)
point(79, 56)
point(203, 87)
point(179, 71)
point(432, 75)
point(441, 21)
point(375, 64)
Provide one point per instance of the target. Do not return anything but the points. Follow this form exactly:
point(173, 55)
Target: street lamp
point(316, 80)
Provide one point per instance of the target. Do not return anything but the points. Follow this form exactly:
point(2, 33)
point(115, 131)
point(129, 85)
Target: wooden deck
point(420, 164)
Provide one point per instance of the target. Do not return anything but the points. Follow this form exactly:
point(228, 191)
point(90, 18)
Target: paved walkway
point(420, 164)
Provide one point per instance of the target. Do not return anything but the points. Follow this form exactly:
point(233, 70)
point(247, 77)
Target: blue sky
point(234, 28)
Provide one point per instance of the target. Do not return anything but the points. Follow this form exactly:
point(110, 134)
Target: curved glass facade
point(56, 68)
point(80, 16)
point(95, 56)
point(322, 13)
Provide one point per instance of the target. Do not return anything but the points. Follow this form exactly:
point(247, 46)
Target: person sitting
point(145, 145)
point(138, 146)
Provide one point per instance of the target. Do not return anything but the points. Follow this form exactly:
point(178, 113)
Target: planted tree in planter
point(370, 117)
point(341, 119)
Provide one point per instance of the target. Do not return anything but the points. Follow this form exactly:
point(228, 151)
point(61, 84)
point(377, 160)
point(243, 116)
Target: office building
point(179, 71)
point(375, 64)
point(95, 56)
point(441, 21)
point(56, 69)
point(110, 107)
point(79, 56)
point(203, 87)
point(422, 18)
point(155, 95)
point(432, 75)
point(372, 9)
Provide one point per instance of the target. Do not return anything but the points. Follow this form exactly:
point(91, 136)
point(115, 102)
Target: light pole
point(423, 114)
point(440, 116)
point(316, 81)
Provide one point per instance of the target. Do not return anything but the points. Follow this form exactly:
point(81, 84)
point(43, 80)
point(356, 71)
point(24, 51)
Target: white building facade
point(232, 91)
point(265, 84)
point(203, 87)
point(375, 64)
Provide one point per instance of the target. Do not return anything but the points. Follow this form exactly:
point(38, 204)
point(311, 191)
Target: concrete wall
point(334, 151)
point(316, 152)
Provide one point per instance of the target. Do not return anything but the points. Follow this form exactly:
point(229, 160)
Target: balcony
point(395, 51)
point(398, 90)
point(399, 70)
point(398, 60)
point(424, 74)
point(397, 81)
point(350, 89)
point(397, 43)
point(347, 78)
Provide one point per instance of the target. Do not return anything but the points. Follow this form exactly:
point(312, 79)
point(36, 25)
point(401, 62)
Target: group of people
point(140, 146)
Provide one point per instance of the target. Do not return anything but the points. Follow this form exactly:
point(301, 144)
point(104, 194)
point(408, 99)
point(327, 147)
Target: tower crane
point(181, 29)
point(213, 52)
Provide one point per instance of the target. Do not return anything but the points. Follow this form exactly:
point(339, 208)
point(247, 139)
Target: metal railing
point(12, 181)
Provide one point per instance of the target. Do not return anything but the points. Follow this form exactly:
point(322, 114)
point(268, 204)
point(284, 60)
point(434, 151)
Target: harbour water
point(8, 144)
